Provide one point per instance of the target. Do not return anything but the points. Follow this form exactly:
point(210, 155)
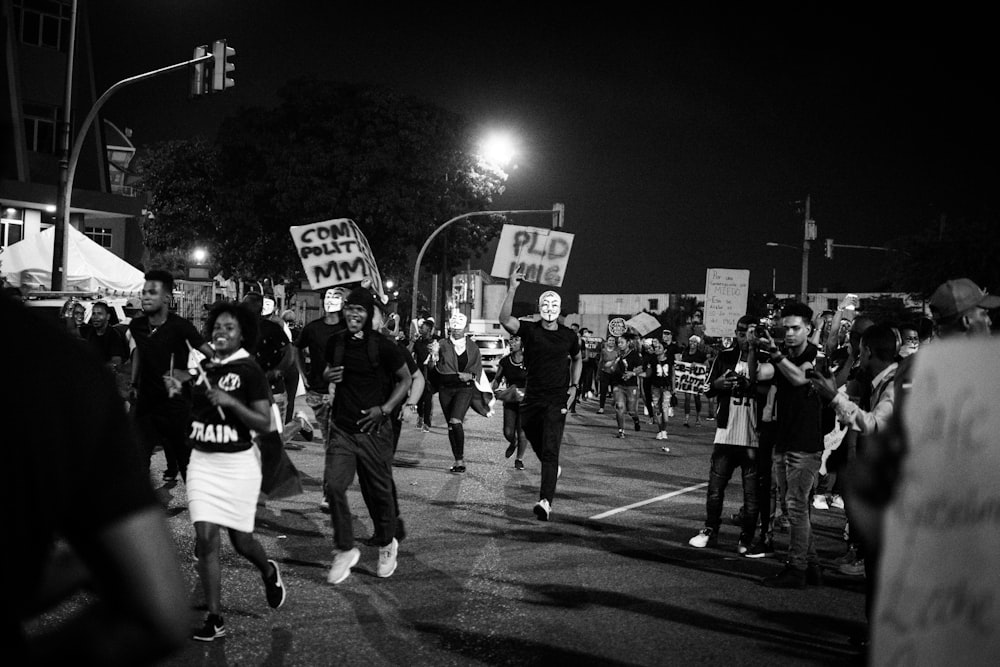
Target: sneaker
point(849, 557)
point(387, 559)
point(621, 433)
point(518, 464)
point(705, 538)
point(645, 411)
point(213, 628)
point(542, 510)
point(814, 574)
point(274, 587)
point(425, 428)
point(305, 428)
point(820, 503)
point(510, 450)
point(787, 578)
point(761, 549)
point(743, 547)
point(457, 468)
point(600, 411)
point(855, 569)
point(837, 501)
point(343, 561)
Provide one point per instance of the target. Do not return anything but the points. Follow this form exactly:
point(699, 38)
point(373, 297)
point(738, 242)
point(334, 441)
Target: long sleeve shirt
point(877, 418)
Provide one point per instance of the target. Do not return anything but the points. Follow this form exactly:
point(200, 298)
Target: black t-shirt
point(271, 344)
point(547, 355)
point(660, 371)
point(514, 374)
point(107, 345)
point(631, 361)
point(364, 385)
point(154, 346)
point(211, 432)
point(313, 339)
point(70, 476)
point(799, 418)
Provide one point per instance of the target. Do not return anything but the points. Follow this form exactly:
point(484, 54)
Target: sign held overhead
point(543, 254)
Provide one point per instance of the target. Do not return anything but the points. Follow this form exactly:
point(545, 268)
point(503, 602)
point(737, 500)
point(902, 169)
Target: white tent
point(89, 267)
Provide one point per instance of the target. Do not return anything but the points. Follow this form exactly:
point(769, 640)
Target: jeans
point(543, 422)
point(425, 404)
point(801, 471)
point(765, 499)
point(604, 387)
point(660, 407)
point(626, 400)
point(725, 460)
point(697, 406)
point(370, 456)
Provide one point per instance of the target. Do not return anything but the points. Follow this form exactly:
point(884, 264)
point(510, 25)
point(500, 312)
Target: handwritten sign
point(335, 252)
point(938, 598)
point(690, 377)
point(643, 323)
point(543, 254)
point(617, 327)
point(726, 292)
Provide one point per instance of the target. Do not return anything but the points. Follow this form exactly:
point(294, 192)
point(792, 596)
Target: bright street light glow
point(199, 255)
point(498, 149)
point(389, 284)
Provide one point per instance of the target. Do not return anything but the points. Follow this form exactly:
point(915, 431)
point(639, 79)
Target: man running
point(553, 364)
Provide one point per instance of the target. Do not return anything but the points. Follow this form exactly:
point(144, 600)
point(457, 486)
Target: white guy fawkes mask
point(333, 300)
point(268, 306)
point(458, 321)
point(549, 306)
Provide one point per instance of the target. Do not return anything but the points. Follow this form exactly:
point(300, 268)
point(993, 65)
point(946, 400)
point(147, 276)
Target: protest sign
point(726, 292)
point(617, 327)
point(592, 343)
point(335, 252)
point(542, 253)
point(690, 377)
point(643, 323)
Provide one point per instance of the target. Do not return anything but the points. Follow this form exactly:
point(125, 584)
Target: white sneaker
point(819, 502)
point(542, 510)
point(387, 559)
point(706, 537)
point(600, 411)
point(836, 501)
point(343, 561)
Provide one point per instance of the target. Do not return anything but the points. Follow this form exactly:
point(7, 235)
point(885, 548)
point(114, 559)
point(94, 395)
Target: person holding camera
point(733, 381)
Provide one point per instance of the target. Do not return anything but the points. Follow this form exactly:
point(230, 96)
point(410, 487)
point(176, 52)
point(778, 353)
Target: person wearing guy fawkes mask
point(313, 340)
point(553, 363)
point(372, 380)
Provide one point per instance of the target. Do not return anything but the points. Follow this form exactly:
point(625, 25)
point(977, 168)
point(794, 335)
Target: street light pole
point(808, 234)
point(441, 228)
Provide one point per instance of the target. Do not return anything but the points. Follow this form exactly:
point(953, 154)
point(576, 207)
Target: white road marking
point(619, 510)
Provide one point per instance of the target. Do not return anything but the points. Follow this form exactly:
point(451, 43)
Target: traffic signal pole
point(68, 172)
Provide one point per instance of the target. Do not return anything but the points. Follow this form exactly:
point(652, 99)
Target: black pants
point(167, 424)
point(725, 460)
point(370, 457)
point(543, 422)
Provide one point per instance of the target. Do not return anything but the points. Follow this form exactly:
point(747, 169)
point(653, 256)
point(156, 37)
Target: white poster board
point(335, 252)
point(544, 254)
point(726, 292)
point(690, 377)
point(643, 323)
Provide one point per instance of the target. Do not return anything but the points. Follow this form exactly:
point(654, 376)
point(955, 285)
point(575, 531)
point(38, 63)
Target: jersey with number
point(741, 427)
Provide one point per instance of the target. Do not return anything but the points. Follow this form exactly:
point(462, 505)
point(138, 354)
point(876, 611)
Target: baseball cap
point(958, 296)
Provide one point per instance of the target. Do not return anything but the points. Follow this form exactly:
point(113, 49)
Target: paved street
point(481, 581)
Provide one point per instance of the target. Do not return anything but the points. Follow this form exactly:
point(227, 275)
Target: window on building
point(99, 235)
point(11, 226)
point(40, 127)
point(43, 22)
point(654, 304)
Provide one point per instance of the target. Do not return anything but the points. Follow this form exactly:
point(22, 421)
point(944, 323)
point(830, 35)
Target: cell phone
point(820, 366)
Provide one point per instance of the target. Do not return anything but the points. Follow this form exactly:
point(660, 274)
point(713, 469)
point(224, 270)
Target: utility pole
point(808, 234)
point(58, 279)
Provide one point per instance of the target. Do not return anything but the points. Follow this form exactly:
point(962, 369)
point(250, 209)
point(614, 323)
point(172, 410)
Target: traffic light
point(198, 79)
point(221, 66)
point(829, 248)
point(558, 215)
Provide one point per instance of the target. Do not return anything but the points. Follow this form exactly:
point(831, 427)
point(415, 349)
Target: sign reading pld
point(334, 252)
point(542, 253)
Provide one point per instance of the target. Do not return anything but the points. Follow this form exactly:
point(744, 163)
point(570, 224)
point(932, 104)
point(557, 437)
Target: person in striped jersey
point(733, 382)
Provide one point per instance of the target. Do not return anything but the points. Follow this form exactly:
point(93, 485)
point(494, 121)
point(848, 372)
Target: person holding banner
point(458, 365)
point(553, 363)
point(694, 354)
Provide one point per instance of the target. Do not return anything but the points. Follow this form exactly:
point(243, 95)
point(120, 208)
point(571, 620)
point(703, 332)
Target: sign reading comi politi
point(334, 252)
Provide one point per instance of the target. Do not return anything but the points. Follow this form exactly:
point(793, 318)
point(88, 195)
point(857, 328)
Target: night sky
point(677, 143)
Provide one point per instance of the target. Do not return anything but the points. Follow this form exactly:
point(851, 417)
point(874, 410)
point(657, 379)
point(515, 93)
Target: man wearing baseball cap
point(960, 306)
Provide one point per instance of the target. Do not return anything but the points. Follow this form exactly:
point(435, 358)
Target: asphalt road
point(482, 581)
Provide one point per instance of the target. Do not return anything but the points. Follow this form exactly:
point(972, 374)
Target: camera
point(759, 330)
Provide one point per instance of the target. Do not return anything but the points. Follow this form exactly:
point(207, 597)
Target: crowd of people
point(806, 407)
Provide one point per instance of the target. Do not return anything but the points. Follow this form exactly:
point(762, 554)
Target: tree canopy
point(397, 166)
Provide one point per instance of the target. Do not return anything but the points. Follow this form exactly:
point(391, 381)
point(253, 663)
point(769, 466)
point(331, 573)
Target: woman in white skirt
point(230, 399)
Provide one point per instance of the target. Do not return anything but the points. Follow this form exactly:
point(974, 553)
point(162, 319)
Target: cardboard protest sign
point(617, 327)
point(643, 323)
point(726, 292)
point(543, 254)
point(690, 377)
point(335, 252)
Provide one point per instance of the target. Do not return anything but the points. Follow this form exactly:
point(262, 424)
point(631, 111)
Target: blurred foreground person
point(81, 512)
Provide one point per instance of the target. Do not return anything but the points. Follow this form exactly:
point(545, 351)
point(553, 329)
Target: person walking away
point(230, 402)
point(553, 363)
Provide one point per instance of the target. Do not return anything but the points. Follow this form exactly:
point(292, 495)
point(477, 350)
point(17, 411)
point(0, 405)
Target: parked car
point(492, 348)
point(51, 303)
